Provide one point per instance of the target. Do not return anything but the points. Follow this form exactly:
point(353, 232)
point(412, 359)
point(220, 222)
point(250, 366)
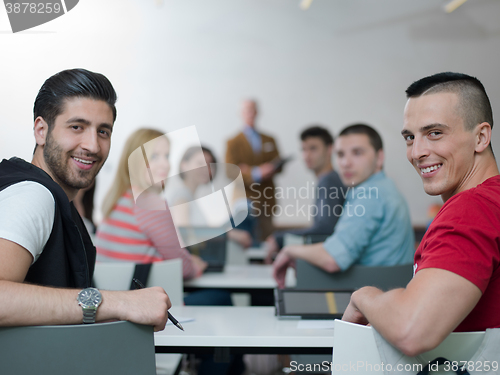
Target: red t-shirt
point(464, 238)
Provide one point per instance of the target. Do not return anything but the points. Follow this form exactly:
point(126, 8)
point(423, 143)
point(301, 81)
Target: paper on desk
point(181, 319)
point(315, 324)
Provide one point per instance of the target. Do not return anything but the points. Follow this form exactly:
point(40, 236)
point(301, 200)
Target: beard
point(57, 161)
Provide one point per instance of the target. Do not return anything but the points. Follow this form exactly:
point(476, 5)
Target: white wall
point(190, 62)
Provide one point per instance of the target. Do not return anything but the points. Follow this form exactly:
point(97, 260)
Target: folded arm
point(39, 305)
point(419, 317)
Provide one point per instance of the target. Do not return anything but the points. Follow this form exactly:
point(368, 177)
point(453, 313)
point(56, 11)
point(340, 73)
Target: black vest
point(68, 257)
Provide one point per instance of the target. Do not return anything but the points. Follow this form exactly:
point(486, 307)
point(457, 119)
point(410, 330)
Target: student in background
point(317, 149)
point(374, 228)
point(137, 225)
point(198, 167)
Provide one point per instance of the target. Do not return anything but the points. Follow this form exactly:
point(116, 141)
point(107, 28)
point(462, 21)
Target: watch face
point(89, 297)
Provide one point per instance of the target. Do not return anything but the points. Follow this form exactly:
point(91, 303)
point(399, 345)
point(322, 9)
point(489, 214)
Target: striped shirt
point(141, 232)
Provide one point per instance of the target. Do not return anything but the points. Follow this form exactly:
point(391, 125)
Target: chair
point(355, 349)
point(100, 349)
point(167, 274)
point(118, 275)
point(383, 277)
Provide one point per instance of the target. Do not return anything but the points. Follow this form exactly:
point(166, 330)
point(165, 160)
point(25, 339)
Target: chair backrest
point(118, 275)
point(97, 349)
point(355, 350)
point(383, 277)
point(168, 275)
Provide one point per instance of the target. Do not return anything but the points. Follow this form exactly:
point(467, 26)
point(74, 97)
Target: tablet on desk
point(311, 304)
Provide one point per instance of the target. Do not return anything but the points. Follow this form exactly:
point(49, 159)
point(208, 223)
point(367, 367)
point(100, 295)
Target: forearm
point(37, 305)
point(419, 317)
point(315, 254)
point(400, 321)
point(26, 304)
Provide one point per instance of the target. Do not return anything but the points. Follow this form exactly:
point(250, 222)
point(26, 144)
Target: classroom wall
point(190, 62)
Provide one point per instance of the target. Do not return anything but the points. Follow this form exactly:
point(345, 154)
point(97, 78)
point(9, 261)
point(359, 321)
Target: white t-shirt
point(27, 212)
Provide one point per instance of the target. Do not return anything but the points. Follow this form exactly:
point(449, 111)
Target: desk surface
point(251, 276)
point(241, 329)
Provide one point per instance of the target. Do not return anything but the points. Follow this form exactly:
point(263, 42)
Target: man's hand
point(280, 265)
point(147, 306)
point(240, 236)
point(353, 315)
point(271, 249)
point(245, 168)
point(267, 171)
point(199, 265)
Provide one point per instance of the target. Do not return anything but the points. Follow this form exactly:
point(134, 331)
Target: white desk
point(251, 330)
point(245, 278)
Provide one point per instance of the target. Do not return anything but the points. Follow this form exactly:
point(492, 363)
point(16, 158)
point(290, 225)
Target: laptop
point(213, 250)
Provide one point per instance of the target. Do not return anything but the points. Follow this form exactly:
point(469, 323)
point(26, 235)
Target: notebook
point(212, 250)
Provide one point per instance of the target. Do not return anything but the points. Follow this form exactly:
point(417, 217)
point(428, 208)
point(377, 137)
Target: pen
point(139, 285)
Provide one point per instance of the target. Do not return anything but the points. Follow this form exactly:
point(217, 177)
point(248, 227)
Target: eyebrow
point(87, 122)
point(425, 128)
point(78, 119)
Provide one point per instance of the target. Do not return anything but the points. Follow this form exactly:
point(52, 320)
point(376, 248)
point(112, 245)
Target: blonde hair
point(121, 182)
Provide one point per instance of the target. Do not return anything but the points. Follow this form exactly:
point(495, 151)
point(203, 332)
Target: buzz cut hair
point(474, 105)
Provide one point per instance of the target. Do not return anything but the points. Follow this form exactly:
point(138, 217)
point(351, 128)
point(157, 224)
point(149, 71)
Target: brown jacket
point(239, 151)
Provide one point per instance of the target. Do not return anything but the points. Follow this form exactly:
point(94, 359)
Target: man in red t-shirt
point(456, 286)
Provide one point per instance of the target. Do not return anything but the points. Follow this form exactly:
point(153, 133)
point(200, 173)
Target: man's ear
point(380, 160)
point(483, 136)
point(41, 129)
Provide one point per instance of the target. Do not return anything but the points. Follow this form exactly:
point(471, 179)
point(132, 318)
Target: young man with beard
point(46, 255)
point(456, 285)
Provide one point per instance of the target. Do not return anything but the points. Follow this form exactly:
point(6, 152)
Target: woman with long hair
point(137, 224)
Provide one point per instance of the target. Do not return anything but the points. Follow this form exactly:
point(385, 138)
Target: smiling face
point(77, 145)
point(437, 144)
point(356, 158)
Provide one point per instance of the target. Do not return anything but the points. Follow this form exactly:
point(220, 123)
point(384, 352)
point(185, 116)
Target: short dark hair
point(318, 132)
point(373, 136)
point(70, 84)
point(474, 104)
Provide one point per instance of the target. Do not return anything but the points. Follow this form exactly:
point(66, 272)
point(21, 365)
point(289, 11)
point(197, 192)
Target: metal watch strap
point(89, 315)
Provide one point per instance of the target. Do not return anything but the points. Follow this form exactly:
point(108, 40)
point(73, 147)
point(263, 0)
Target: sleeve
point(329, 205)
point(27, 212)
point(464, 239)
point(159, 227)
point(359, 220)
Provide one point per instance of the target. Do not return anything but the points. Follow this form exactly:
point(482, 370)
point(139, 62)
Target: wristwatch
point(89, 299)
